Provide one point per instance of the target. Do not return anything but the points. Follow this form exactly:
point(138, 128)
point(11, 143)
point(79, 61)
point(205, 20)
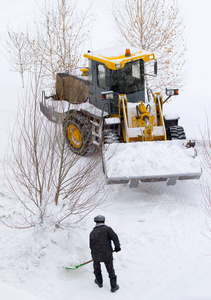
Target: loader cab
point(121, 73)
point(128, 80)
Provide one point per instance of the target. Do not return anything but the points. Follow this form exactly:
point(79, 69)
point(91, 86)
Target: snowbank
point(10, 293)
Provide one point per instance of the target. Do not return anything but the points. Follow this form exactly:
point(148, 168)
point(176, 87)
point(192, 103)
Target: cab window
point(129, 79)
point(90, 71)
point(101, 76)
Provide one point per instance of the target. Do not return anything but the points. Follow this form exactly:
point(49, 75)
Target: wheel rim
point(74, 136)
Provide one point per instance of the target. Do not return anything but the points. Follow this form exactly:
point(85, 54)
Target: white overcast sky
point(17, 13)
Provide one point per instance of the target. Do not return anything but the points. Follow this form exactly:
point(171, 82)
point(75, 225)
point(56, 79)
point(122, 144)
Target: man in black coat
point(101, 250)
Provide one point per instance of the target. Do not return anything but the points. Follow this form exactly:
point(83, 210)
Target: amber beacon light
point(127, 52)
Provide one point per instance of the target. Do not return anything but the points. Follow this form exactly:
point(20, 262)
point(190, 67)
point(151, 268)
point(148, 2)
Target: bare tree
point(155, 25)
point(61, 33)
point(56, 41)
point(17, 52)
point(54, 185)
point(206, 186)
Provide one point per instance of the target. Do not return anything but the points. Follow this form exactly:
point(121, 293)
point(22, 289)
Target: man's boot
point(114, 285)
point(99, 280)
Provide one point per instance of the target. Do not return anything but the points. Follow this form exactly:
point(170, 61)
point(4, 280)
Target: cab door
point(92, 82)
point(99, 82)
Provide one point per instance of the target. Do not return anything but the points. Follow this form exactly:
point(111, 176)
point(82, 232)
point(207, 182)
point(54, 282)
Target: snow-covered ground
point(166, 250)
point(165, 253)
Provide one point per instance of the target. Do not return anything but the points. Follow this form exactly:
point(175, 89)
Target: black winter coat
point(100, 243)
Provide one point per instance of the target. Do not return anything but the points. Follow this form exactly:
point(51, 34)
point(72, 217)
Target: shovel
point(85, 263)
point(76, 267)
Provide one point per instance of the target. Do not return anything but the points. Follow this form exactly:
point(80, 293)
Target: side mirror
point(151, 69)
point(84, 71)
point(156, 68)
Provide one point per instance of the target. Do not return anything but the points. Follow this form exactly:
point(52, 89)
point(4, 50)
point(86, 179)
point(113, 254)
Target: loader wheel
point(77, 131)
point(176, 133)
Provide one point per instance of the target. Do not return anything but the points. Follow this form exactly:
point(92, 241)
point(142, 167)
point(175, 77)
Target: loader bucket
point(150, 162)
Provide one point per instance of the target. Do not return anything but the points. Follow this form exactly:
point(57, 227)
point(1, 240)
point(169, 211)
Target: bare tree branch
point(56, 42)
point(206, 184)
point(155, 25)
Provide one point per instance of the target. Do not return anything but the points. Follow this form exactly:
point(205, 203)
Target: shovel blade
point(69, 268)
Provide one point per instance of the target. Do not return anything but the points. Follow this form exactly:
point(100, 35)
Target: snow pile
point(144, 159)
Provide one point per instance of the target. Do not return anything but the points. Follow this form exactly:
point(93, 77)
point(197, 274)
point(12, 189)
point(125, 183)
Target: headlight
point(151, 57)
point(172, 92)
point(117, 66)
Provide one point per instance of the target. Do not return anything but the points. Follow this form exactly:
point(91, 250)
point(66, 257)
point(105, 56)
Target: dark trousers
point(109, 268)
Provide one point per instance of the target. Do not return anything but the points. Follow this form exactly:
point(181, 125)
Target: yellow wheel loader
point(107, 105)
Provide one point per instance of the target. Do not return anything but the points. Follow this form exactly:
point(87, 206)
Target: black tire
point(176, 133)
point(77, 131)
